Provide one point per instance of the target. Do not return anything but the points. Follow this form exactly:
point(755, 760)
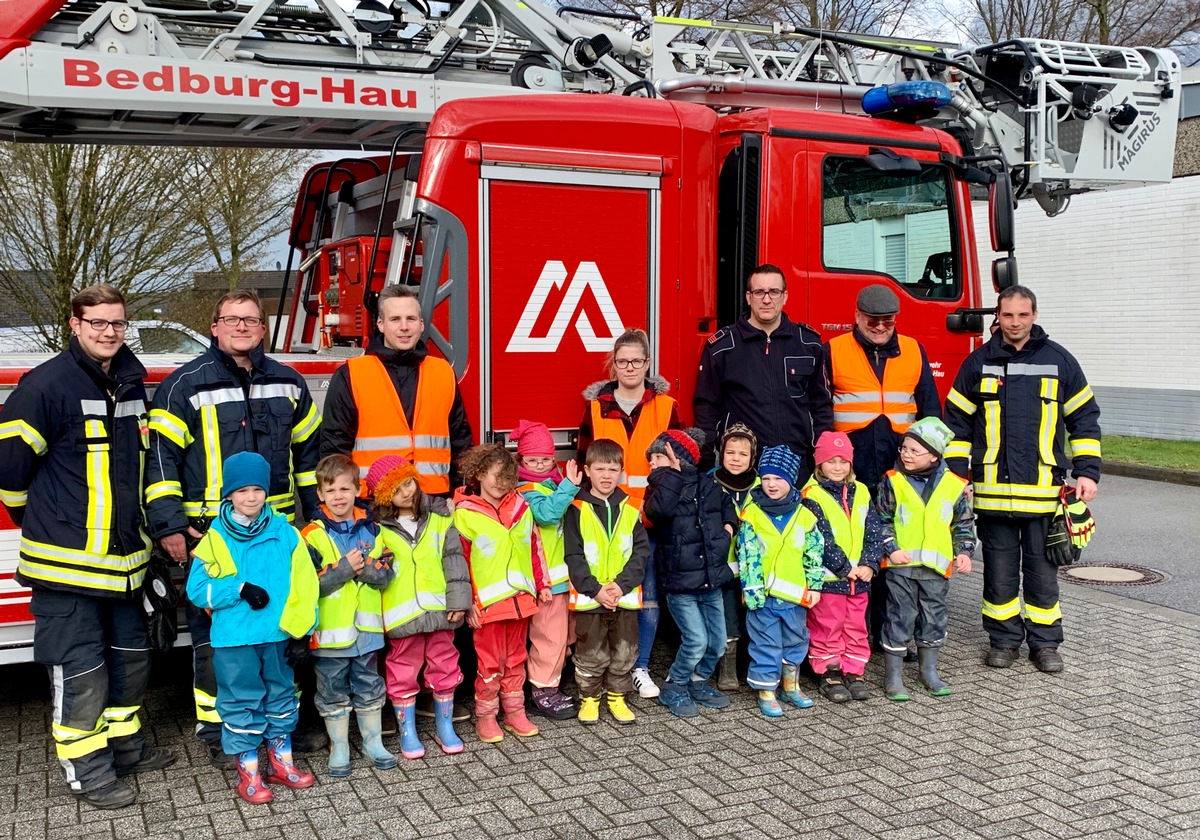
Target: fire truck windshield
point(896, 223)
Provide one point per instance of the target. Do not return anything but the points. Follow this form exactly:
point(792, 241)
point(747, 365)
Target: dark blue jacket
point(689, 511)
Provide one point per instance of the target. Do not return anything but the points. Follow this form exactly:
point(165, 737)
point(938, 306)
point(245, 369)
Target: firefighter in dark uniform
point(765, 371)
point(71, 441)
point(230, 399)
point(1022, 413)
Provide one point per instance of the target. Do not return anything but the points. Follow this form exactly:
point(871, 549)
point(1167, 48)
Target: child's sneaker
point(644, 684)
point(768, 705)
point(589, 710)
point(677, 700)
point(552, 703)
point(834, 686)
point(857, 686)
point(621, 713)
point(706, 695)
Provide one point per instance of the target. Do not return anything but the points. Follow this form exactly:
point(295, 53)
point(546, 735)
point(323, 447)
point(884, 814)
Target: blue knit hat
point(779, 461)
point(245, 469)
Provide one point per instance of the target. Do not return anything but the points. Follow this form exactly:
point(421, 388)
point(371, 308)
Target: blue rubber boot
point(338, 727)
point(443, 712)
point(789, 688)
point(371, 727)
point(406, 715)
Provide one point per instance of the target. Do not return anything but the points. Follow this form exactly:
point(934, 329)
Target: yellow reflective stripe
point(1078, 401)
point(1038, 615)
point(99, 489)
point(87, 559)
point(122, 728)
point(161, 489)
point(991, 412)
point(21, 429)
point(204, 508)
point(1081, 447)
point(206, 706)
point(958, 449)
point(691, 22)
point(170, 427)
point(1002, 612)
point(12, 498)
point(960, 402)
point(1048, 424)
point(1049, 389)
point(306, 479)
point(989, 385)
point(1008, 505)
point(311, 422)
point(211, 435)
point(68, 745)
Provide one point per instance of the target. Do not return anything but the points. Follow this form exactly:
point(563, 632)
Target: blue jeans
point(778, 633)
point(348, 681)
point(648, 614)
point(701, 620)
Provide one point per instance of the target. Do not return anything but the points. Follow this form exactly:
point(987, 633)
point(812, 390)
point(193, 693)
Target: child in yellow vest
point(837, 624)
point(254, 571)
point(349, 632)
point(928, 533)
point(780, 552)
point(606, 553)
point(508, 578)
point(425, 602)
point(549, 494)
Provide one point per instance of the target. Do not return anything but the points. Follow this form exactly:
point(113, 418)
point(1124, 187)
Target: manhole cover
point(1111, 574)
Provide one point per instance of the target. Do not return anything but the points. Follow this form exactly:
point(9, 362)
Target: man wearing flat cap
point(881, 384)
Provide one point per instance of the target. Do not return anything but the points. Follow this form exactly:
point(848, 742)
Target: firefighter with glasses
point(1022, 414)
point(72, 438)
point(230, 399)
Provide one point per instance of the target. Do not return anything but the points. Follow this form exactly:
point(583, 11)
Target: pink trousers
point(549, 636)
point(837, 627)
point(405, 657)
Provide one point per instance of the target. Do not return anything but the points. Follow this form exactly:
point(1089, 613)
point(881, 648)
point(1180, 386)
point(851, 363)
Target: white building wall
point(1118, 283)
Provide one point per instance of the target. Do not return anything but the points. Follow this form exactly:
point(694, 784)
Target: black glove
point(1059, 549)
point(255, 596)
point(297, 652)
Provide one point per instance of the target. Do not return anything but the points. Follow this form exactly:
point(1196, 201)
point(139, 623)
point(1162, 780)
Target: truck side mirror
point(1004, 273)
point(1000, 213)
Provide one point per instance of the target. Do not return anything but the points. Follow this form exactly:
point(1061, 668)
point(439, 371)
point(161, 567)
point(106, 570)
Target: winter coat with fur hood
point(604, 393)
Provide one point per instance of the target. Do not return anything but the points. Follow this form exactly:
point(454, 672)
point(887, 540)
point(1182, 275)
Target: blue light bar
point(881, 100)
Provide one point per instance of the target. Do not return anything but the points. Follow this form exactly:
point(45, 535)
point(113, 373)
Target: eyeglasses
point(630, 364)
point(101, 324)
point(879, 322)
point(234, 320)
point(773, 294)
point(912, 453)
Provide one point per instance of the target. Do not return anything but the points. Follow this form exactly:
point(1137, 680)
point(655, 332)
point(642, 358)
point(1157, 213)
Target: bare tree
point(242, 200)
point(1153, 23)
point(77, 215)
point(880, 17)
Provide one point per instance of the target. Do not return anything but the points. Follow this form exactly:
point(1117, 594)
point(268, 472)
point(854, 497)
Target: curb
point(1152, 473)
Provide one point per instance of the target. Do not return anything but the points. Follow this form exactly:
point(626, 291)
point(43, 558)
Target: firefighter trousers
point(98, 656)
point(204, 682)
point(1015, 565)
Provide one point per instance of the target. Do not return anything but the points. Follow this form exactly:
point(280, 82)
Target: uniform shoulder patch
point(717, 336)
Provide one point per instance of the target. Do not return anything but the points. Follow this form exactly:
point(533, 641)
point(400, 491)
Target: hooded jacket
point(512, 508)
point(689, 512)
point(608, 511)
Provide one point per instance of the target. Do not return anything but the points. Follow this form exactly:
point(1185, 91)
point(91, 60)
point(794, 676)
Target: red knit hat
point(533, 439)
point(386, 475)
point(833, 445)
point(686, 444)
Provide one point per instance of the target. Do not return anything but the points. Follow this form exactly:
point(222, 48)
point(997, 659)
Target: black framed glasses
point(773, 294)
point(234, 320)
point(630, 364)
point(102, 324)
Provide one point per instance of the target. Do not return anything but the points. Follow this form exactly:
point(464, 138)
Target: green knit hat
point(932, 434)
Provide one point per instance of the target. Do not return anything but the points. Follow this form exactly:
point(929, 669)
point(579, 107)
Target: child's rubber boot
point(445, 736)
point(250, 785)
point(727, 678)
point(621, 712)
point(928, 657)
point(515, 720)
point(768, 705)
point(789, 688)
point(486, 727)
point(406, 717)
point(370, 725)
point(282, 771)
point(893, 677)
point(338, 727)
point(589, 710)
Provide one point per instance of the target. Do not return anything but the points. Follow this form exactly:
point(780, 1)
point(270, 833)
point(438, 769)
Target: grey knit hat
point(878, 300)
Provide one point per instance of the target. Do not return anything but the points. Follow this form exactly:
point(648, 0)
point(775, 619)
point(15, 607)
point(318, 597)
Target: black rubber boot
point(727, 677)
point(928, 669)
point(893, 677)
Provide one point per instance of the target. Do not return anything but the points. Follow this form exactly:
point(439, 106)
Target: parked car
point(141, 336)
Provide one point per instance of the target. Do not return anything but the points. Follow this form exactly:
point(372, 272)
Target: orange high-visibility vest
point(653, 420)
point(384, 430)
point(858, 395)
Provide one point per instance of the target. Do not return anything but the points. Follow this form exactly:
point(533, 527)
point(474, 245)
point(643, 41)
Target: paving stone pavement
point(1106, 750)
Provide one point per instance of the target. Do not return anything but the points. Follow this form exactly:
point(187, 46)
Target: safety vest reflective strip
point(858, 395)
point(74, 567)
point(383, 429)
point(653, 420)
point(784, 576)
point(923, 529)
point(607, 554)
point(848, 531)
point(352, 609)
point(419, 584)
point(501, 558)
point(552, 539)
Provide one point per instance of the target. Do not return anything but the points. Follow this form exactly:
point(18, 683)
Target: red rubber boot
point(282, 771)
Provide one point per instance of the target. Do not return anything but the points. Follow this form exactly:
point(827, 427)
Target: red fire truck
point(537, 222)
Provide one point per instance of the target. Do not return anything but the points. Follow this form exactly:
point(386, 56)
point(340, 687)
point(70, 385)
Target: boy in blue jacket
point(254, 572)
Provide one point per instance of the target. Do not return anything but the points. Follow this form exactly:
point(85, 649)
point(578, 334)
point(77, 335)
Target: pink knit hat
point(832, 445)
point(387, 474)
point(533, 439)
